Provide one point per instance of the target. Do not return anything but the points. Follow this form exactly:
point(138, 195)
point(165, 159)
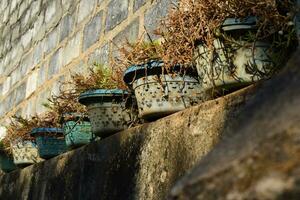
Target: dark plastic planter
point(50, 142)
point(160, 94)
point(237, 66)
point(25, 153)
point(77, 131)
point(6, 163)
point(107, 111)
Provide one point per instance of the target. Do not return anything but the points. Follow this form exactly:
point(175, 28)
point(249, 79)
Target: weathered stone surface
point(72, 49)
point(38, 53)
point(100, 55)
point(42, 77)
point(86, 8)
point(155, 14)
point(69, 5)
point(29, 109)
point(20, 93)
point(39, 28)
point(116, 13)
point(259, 156)
point(26, 39)
point(51, 41)
point(57, 86)
point(6, 85)
point(67, 26)
point(130, 34)
point(139, 163)
point(92, 31)
point(138, 3)
point(31, 83)
point(53, 13)
point(55, 63)
point(15, 32)
point(99, 2)
point(41, 99)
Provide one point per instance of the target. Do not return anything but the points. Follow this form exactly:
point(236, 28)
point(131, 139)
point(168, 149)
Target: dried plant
point(65, 102)
point(99, 77)
point(137, 53)
point(20, 127)
point(200, 21)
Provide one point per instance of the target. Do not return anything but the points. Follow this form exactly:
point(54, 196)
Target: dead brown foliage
point(20, 127)
point(138, 53)
point(199, 21)
point(99, 77)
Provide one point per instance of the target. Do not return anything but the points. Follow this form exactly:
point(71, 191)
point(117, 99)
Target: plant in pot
point(49, 135)
point(233, 43)
point(160, 88)
point(73, 117)
point(6, 160)
point(20, 143)
point(109, 105)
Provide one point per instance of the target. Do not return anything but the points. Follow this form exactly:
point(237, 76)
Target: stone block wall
point(43, 41)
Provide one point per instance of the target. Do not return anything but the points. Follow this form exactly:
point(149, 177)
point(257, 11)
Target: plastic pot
point(25, 153)
point(107, 111)
point(160, 94)
point(6, 163)
point(77, 131)
point(236, 64)
point(50, 142)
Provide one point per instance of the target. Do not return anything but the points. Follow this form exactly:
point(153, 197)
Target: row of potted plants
point(202, 54)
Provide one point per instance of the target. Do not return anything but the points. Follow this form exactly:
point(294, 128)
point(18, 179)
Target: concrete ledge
point(259, 156)
point(140, 163)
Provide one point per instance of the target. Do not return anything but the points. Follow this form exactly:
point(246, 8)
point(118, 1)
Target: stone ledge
point(140, 163)
point(259, 156)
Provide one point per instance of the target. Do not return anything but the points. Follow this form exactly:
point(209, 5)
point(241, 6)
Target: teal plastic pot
point(6, 163)
point(77, 133)
point(50, 142)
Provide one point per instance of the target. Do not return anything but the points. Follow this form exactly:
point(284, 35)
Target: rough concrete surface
point(139, 163)
point(260, 155)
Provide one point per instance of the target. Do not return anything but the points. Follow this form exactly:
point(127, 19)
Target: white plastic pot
point(107, 111)
point(25, 153)
point(158, 94)
point(238, 62)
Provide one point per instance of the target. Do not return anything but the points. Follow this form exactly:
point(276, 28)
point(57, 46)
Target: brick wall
point(41, 41)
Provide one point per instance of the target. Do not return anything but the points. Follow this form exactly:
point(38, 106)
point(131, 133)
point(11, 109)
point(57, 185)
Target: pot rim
point(40, 130)
point(101, 94)
point(231, 23)
point(154, 67)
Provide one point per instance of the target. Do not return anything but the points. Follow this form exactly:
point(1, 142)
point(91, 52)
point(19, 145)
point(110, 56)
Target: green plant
point(139, 52)
point(99, 77)
point(66, 102)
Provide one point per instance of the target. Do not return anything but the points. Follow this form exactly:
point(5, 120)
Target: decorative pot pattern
point(245, 64)
point(157, 99)
point(234, 63)
point(77, 133)
point(107, 111)
point(158, 94)
point(25, 153)
point(50, 142)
